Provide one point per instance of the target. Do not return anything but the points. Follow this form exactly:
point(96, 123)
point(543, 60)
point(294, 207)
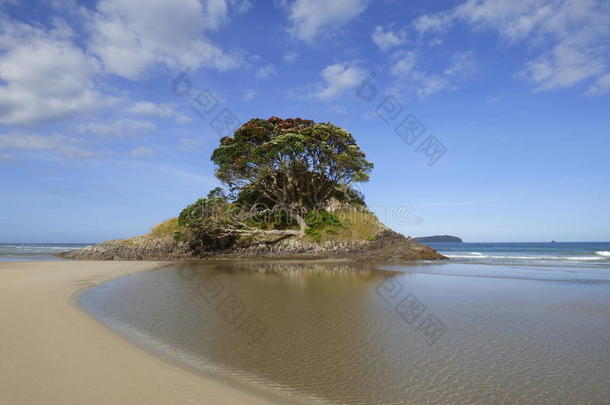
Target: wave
point(477, 255)
point(603, 253)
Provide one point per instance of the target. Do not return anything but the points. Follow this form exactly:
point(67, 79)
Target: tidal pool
point(339, 332)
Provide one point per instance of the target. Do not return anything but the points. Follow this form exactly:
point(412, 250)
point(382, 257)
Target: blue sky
point(510, 102)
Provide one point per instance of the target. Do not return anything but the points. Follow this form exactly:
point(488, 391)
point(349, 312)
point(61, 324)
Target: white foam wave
point(470, 255)
point(603, 253)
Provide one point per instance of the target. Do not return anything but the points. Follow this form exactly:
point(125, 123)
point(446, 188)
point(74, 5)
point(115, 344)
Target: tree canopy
point(292, 165)
point(279, 174)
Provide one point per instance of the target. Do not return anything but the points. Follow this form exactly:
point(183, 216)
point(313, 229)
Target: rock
point(133, 249)
point(387, 245)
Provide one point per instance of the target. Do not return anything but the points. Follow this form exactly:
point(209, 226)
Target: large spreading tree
point(279, 176)
point(290, 165)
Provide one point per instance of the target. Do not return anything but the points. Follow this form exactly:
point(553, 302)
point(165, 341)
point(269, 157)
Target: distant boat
point(553, 241)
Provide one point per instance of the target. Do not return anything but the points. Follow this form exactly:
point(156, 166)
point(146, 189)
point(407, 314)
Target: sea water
point(552, 253)
point(467, 332)
point(20, 252)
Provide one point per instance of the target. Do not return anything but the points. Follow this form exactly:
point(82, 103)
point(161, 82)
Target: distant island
point(287, 193)
point(439, 238)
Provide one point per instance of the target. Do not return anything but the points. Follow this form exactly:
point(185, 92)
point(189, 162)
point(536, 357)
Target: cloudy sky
point(487, 119)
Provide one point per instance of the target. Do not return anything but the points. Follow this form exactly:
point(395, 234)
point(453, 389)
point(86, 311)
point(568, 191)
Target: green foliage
point(357, 224)
point(295, 164)
point(280, 175)
point(317, 218)
point(202, 223)
point(320, 222)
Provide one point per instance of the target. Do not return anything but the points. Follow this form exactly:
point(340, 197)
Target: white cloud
point(411, 79)
point(562, 67)
point(161, 110)
point(404, 63)
point(133, 36)
point(6, 158)
point(571, 37)
point(338, 79)
point(601, 85)
point(141, 152)
point(308, 18)
point(438, 22)
point(462, 64)
point(67, 147)
point(190, 144)
point(46, 78)
point(116, 129)
point(266, 71)
point(385, 38)
point(241, 6)
point(290, 57)
point(187, 176)
point(249, 95)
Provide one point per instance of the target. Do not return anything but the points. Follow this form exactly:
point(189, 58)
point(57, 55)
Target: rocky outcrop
point(386, 246)
point(132, 249)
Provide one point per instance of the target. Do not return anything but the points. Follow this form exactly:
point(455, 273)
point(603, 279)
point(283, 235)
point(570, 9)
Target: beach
point(329, 332)
point(52, 352)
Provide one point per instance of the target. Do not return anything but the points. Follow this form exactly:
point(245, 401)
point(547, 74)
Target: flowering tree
point(290, 165)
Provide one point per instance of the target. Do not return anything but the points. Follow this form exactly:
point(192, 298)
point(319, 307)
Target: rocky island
point(288, 193)
point(439, 239)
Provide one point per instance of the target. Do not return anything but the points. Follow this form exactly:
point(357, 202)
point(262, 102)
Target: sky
point(485, 119)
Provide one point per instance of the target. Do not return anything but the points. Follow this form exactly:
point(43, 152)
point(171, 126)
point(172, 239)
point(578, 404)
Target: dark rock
point(387, 245)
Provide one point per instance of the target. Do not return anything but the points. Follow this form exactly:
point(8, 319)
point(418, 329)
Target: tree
point(290, 165)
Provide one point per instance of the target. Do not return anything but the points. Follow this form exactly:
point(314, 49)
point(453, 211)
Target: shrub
point(319, 222)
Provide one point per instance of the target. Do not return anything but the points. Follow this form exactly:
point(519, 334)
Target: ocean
point(584, 254)
point(22, 252)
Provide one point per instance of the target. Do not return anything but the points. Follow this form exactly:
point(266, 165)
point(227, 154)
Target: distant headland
point(439, 238)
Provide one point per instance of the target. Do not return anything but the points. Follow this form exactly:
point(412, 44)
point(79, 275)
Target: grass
point(356, 225)
point(165, 229)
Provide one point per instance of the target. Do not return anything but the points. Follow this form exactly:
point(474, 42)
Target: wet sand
point(52, 352)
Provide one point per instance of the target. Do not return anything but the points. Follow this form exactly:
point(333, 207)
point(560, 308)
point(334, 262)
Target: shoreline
point(54, 352)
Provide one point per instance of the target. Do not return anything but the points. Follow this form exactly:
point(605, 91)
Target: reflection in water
point(325, 333)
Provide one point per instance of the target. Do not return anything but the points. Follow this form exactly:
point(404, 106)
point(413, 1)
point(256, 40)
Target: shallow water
point(26, 252)
point(344, 333)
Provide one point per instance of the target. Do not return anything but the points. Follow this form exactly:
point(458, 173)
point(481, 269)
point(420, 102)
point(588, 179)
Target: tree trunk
point(301, 222)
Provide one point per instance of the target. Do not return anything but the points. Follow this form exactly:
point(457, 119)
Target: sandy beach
point(52, 352)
